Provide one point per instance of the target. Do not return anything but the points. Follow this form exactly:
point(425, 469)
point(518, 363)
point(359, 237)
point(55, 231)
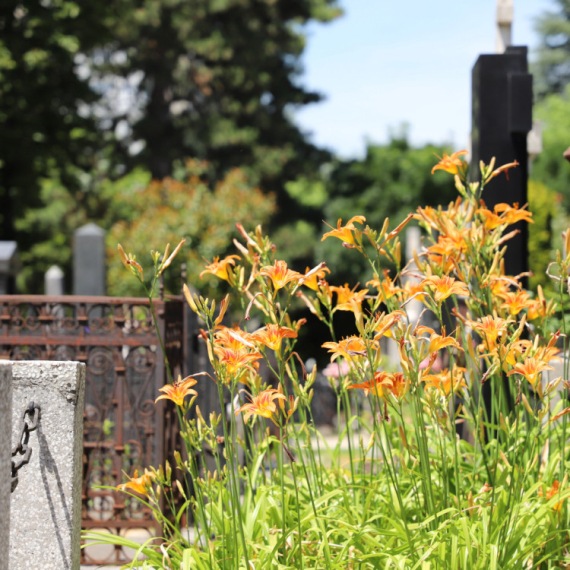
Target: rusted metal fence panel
point(124, 429)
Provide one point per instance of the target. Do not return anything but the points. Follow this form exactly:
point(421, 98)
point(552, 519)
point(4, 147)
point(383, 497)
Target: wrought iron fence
point(124, 429)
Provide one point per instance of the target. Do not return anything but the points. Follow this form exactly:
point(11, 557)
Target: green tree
point(40, 97)
point(545, 234)
point(552, 67)
point(215, 80)
point(549, 167)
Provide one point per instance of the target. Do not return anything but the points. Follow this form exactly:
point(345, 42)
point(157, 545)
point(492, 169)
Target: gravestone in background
point(8, 267)
point(89, 269)
point(54, 281)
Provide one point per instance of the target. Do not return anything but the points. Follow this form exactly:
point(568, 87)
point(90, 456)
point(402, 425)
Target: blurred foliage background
point(162, 119)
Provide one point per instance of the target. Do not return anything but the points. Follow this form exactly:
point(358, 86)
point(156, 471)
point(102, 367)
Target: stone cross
point(45, 509)
point(89, 269)
point(505, 12)
point(5, 456)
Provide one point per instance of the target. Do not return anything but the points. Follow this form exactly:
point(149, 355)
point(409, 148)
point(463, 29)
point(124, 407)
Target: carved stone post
point(5, 449)
point(45, 524)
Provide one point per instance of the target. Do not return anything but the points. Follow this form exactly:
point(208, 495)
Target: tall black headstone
point(502, 118)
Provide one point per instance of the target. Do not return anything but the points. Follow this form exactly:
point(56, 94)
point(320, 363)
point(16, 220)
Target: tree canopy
point(91, 91)
point(552, 67)
point(40, 99)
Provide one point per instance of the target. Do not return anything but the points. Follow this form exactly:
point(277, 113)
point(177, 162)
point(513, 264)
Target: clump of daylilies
point(454, 457)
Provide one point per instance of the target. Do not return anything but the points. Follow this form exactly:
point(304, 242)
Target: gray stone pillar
point(89, 269)
point(5, 455)
point(45, 526)
point(54, 281)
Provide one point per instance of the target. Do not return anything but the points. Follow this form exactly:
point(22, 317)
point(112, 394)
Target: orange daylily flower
point(554, 490)
point(345, 295)
point(271, 336)
point(444, 380)
point(279, 274)
point(491, 328)
point(344, 233)
point(384, 383)
point(262, 405)
point(500, 285)
point(399, 385)
point(233, 338)
point(450, 164)
point(512, 354)
point(220, 268)
point(312, 281)
point(445, 286)
point(437, 341)
point(236, 361)
point(450, 245)
point(515, 301)
point(386, 288)
point(550, 351)
point(411, 289)
point(531, 369)
point(503, 214)
point(429, 216)
point(384, 323)
point(178, 391)
point(140, 485)
point(540, 309)
point(348, 348)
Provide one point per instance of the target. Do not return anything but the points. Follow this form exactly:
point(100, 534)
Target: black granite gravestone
point(502, 118)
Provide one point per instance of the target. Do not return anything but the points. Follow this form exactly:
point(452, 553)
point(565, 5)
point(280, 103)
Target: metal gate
point(124, 429)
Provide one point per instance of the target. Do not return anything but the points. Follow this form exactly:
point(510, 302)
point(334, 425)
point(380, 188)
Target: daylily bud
point(189, 299)
point(384, 229)
point(180, 488)
point(125, 259)
point(223, 307)
point(168, 261)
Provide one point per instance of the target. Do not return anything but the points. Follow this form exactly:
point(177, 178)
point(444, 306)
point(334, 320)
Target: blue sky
point(388, 62)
